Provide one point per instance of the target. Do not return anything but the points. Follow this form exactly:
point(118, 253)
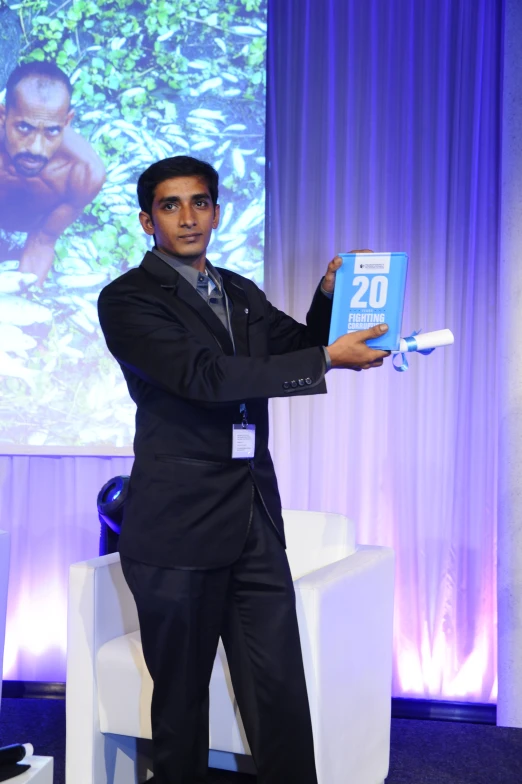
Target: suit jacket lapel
point(174, 283)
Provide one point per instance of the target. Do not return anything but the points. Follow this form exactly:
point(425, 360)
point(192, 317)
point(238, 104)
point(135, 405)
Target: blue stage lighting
point(111, 503)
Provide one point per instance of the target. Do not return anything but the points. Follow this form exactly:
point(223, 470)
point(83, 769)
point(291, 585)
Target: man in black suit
point(202, 542)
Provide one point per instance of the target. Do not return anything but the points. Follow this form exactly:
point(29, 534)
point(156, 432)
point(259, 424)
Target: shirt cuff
point(327, 359)
point(328, 294)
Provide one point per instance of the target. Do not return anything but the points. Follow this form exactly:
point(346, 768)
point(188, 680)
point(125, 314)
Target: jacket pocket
point(194, 461)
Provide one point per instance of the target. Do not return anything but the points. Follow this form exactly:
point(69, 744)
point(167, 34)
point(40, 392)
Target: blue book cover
point(369, 290)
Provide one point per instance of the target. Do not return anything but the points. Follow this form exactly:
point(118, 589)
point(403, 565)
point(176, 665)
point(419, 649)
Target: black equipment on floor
point(111, 500)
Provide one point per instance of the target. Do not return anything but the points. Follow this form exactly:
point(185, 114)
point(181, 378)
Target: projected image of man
point(48, 172)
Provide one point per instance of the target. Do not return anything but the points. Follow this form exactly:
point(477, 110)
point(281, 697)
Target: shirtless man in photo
point(48, 172)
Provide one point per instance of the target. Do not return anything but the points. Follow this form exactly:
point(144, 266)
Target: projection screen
point(149, 79)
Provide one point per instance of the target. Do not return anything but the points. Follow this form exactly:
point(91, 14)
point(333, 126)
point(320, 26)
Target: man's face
point(183, 217)
point(34, 124)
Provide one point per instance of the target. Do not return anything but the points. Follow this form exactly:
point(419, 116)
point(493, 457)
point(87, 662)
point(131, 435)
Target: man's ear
point(70, 115)
point(146, 223)
point(215, 222)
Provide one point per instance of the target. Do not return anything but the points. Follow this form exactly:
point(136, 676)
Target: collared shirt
point(208, 284)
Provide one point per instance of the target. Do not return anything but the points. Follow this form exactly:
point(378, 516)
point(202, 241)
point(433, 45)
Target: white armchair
point(4, 579)
point(345, 611)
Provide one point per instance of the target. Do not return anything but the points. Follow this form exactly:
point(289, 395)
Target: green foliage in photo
point(150, 80)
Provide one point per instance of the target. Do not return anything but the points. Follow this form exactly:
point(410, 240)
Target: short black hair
point(178, 166)
point(46, 71)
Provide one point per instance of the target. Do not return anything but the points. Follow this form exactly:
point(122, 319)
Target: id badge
point(243, 441)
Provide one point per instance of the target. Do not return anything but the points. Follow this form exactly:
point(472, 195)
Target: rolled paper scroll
point(427, 341)
point(423, 343)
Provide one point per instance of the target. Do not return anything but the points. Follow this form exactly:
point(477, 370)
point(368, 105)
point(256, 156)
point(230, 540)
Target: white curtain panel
point(383, 133)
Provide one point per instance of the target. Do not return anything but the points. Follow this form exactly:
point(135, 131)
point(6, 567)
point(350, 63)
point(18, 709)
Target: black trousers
point(251, 605)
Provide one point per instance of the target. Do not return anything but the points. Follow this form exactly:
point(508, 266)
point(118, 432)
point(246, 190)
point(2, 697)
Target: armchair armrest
point(101, 607)
point(345, 613)
point(100, 602)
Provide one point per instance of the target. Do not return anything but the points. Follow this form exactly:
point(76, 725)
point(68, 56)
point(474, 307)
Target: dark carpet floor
point(422, 752)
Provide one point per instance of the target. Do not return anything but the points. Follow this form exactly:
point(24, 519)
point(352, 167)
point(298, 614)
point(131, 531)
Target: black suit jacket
point(189, 502)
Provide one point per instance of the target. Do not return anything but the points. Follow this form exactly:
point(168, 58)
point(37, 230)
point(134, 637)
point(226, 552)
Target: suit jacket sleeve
point(288, 335)
point(147, 339)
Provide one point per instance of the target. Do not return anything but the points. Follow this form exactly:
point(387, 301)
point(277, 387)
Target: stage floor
point(423, 752)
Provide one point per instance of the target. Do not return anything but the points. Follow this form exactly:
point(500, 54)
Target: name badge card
point(243, 441)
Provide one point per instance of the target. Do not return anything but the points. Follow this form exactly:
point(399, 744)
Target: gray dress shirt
point(208, 284)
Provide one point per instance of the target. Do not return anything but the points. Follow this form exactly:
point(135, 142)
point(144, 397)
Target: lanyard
point(244, 414)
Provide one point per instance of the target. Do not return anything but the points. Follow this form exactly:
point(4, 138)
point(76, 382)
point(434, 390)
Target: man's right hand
point(350, 351)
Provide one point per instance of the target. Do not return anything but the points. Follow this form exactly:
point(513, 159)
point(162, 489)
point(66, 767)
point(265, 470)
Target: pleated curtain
point(383, 132)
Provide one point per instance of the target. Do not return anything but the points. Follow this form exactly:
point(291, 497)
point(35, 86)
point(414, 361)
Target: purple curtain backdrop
point(383, 132)
point(49, 506)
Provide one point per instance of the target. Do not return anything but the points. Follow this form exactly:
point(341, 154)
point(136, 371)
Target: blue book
point(369, 290)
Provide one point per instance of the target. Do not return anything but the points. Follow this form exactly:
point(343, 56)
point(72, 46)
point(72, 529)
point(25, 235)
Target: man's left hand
point(328, 283)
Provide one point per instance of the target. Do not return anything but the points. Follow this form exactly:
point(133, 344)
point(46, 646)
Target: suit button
point(246, 311)
point(294, 384)
point(308, 381)
point(301, 382)
point(286, 385)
